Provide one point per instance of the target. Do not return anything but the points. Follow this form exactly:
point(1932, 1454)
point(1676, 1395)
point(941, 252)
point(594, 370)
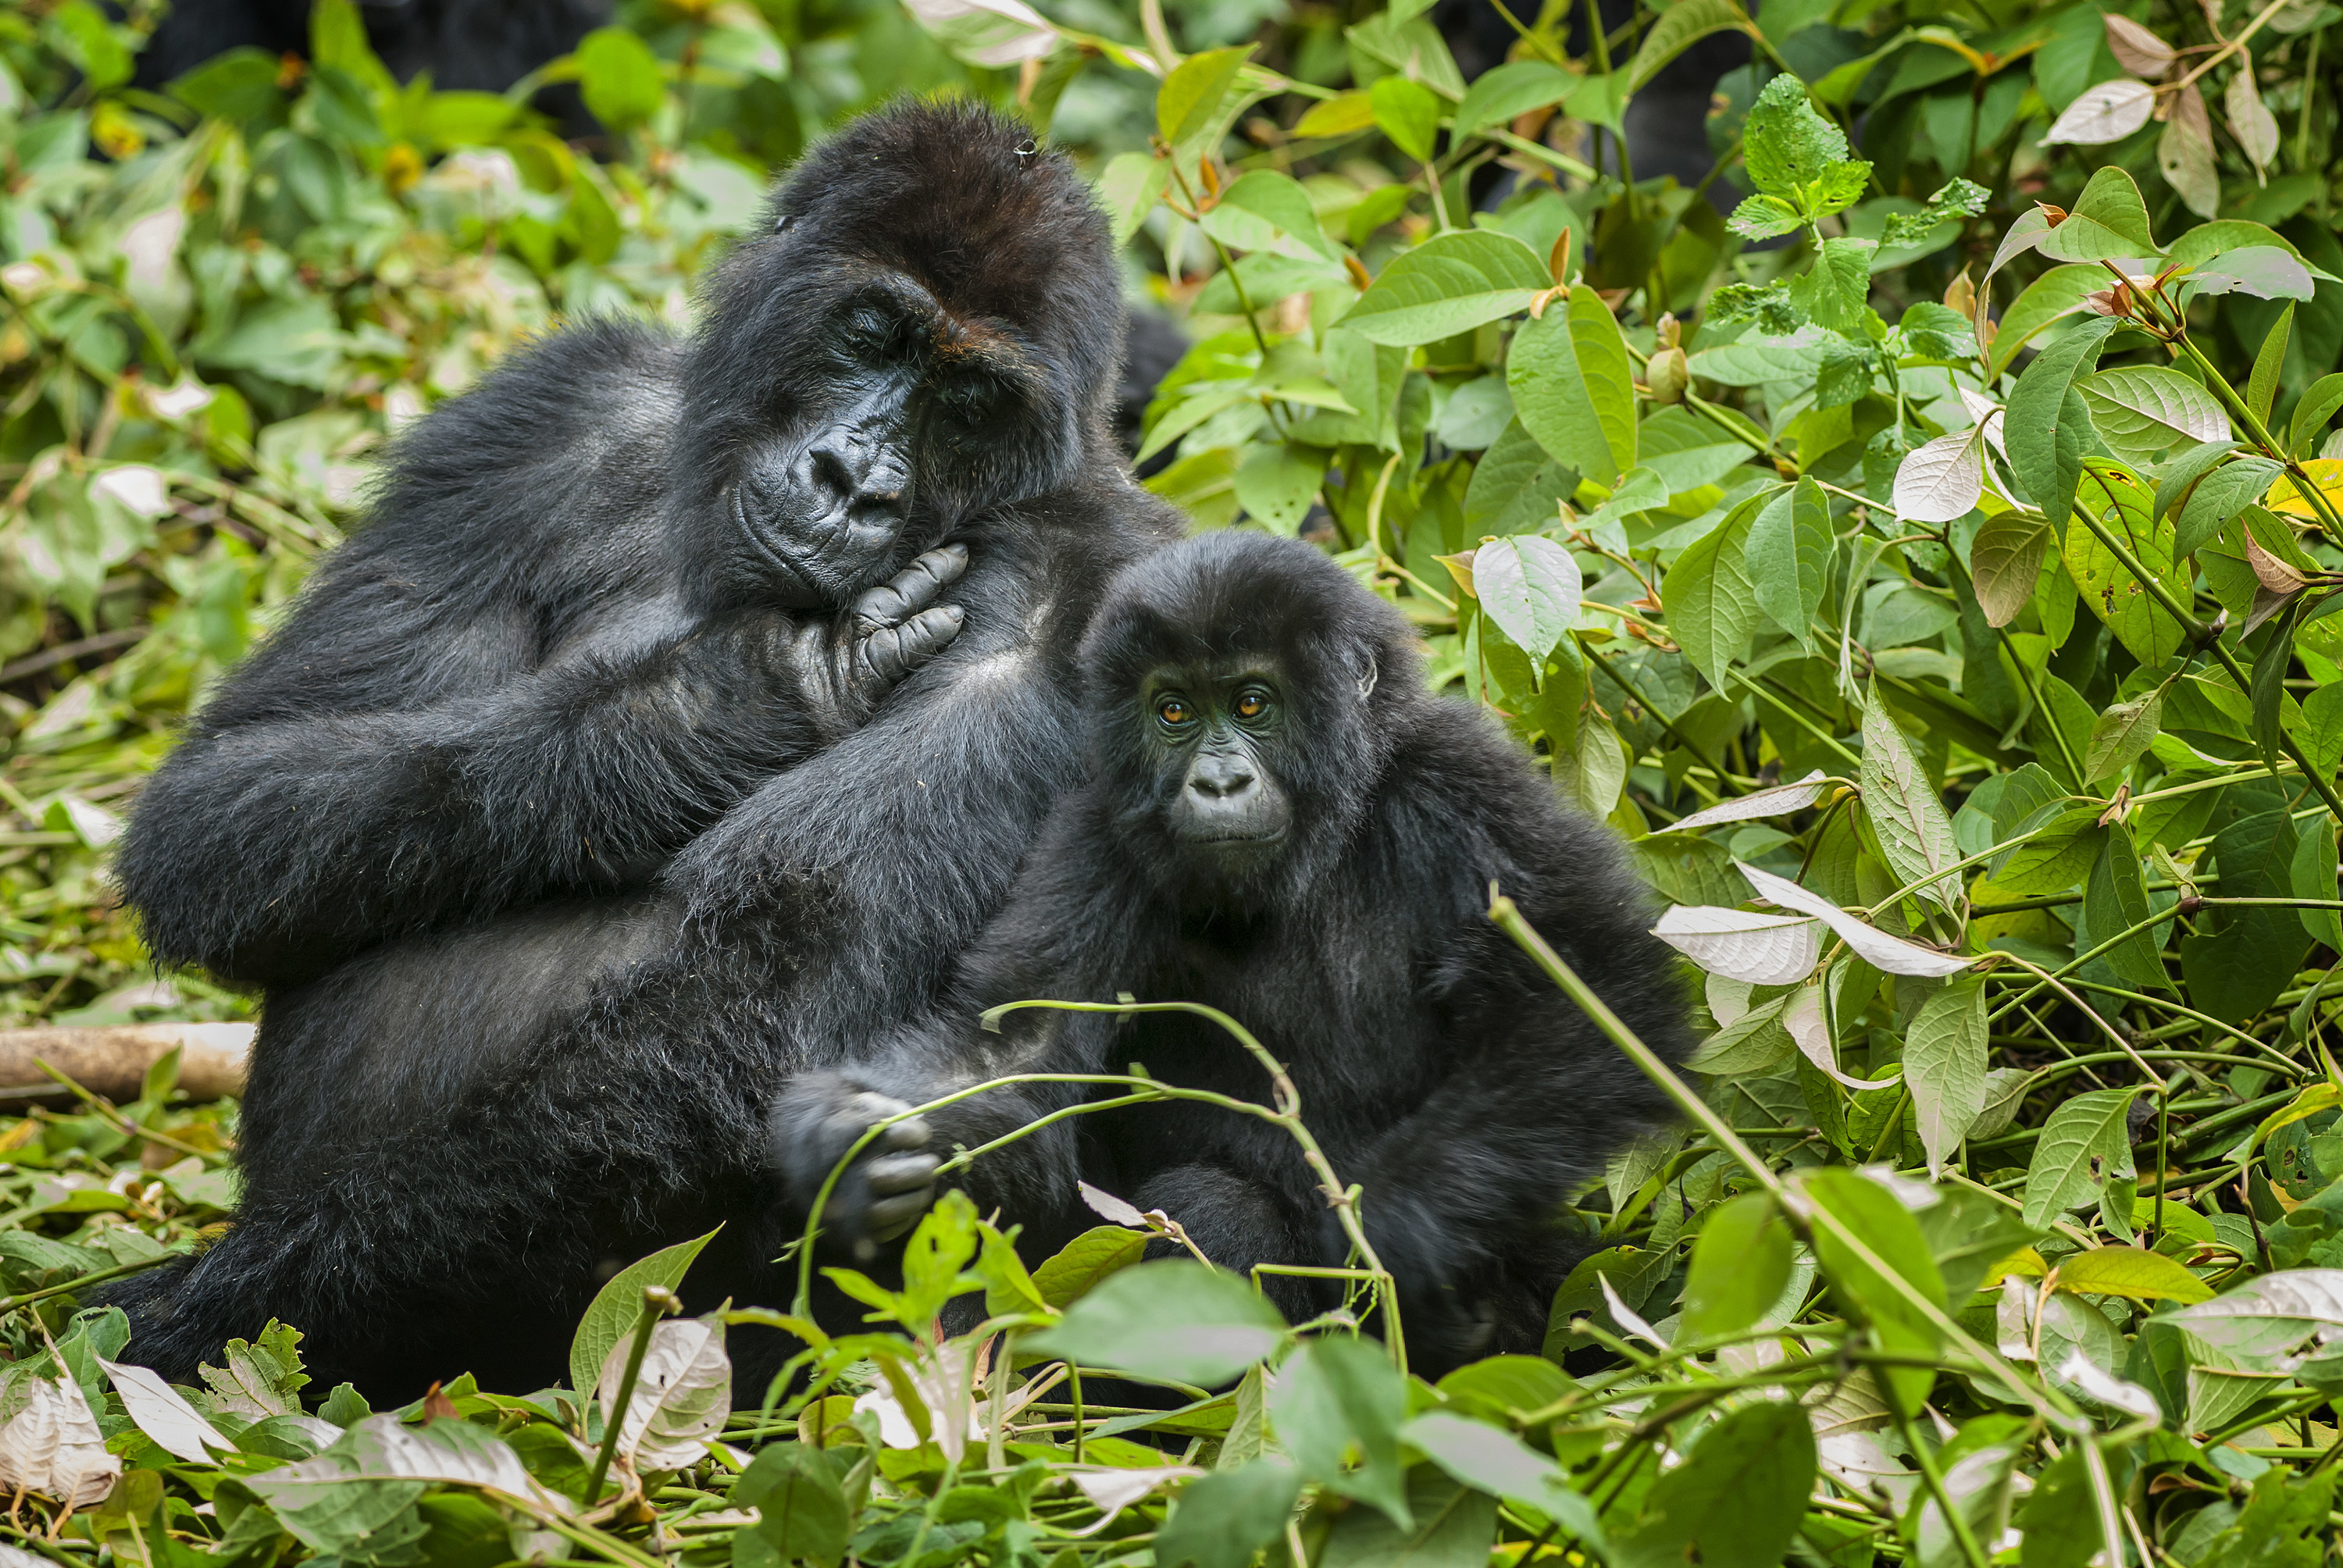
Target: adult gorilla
point(549, 898)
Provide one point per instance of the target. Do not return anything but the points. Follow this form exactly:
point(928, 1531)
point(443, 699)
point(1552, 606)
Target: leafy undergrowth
point(1942, 600)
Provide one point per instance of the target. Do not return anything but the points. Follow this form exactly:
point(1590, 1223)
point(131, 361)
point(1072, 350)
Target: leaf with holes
point(2107, 113)
point(2084, 1140)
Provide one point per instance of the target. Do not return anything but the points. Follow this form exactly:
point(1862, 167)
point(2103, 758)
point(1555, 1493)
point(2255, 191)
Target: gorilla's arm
point(1536, 1096)
point(579, 777)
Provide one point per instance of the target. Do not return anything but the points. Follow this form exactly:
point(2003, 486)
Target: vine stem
point(657, 1303)
point(1343, 1200)
point(1813, 1218)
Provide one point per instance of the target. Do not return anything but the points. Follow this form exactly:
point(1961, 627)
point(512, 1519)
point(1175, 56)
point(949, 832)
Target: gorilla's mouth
point(1236, 840)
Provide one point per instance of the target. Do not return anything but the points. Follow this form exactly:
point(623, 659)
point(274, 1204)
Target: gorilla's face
point(911, 419)
point(1216, 731)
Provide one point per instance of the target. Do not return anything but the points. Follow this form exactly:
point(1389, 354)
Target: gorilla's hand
point(891, 1183)
point(851, 664)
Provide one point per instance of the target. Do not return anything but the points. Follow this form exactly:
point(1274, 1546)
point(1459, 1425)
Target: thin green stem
point(657, 1303)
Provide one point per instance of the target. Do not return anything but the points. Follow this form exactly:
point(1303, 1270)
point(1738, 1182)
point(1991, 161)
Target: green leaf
point(1877, 1219)
point(2141, 410)
point(1516, 488)
point(237, 86)
point(1267, 211)
point(2320, 731)
point(1224, 1518)
point(2084, 1139)
point(1450, 284)
point(2311, 874)
point(1736, 1501)
point(2006, 562)
point(2109, 588)
point(1454, 1527)
point(1712, 601)
point(2267, 688)
point(619, 78)
point(1340, 115)
point(2052, 296)
point(611, 1315)
point(1174, 1318)
point(1789, 554)
point(1741, 1263)
point(1901, 803)
point(2262, 387)
point(2058, 856)
point(2173, 479)
point(2218, 497)
point(1409, 114)
point(2108, 223)
point(2048, 429)
point(2317, 406)
point(2129, 1271)
point(1342, 1394)
point(1679, 28)
point(1129, 189)
point(2061, 1519)
point(2121, 736)
point(338, 41)
point(2240, 959)
point(802, 1510)
point(2115, 901)
point(1077, 1267)
point(1510, 90)
point(1791, 150)
point(1945, 1065)
point(1276, 485)
point(1493, 1461)
point(1189, 100)
point(1529, 586)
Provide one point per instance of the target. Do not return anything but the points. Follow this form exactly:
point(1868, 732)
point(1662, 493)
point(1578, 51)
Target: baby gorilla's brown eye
point(1252, 704)
point(1174, 711)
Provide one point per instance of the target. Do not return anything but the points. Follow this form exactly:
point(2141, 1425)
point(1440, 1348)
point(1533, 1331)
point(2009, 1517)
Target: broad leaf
point(1451, 284)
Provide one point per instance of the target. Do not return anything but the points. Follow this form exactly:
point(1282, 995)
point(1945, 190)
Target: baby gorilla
point(1281, 822)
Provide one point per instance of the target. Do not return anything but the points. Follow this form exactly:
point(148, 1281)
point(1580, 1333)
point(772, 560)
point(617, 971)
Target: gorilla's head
point(929, 325)
point(1242, 691)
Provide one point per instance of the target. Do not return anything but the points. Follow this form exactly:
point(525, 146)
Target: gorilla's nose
point(863, 471)
point(1222, 777)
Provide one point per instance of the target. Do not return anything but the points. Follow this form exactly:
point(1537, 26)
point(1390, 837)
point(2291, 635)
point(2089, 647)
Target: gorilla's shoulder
point(572, 431)
point(1457, 779)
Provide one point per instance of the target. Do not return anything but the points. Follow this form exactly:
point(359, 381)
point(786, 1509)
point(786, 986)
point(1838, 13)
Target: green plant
point(1942, 600)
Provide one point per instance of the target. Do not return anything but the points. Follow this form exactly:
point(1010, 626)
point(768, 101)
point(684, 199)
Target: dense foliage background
point(1926, 531)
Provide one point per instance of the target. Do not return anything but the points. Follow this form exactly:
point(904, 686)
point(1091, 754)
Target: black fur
point(537, 967)
point(1434, 1062)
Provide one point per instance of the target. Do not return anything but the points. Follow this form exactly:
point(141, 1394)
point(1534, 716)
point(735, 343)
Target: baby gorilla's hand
point(891, 1183)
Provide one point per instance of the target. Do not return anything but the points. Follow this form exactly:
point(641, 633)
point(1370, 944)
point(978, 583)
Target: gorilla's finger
point(900, 1173)
point(913, 588)
point(892, 653)
point(911, 1134)
point(890, 1216)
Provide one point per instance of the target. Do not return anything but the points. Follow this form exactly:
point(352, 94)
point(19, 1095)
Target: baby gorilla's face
point(1216, 731)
